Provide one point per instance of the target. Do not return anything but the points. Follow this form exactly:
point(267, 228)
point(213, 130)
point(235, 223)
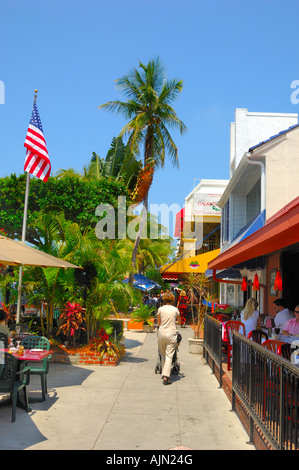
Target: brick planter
point(85, 357)
point(92, 358)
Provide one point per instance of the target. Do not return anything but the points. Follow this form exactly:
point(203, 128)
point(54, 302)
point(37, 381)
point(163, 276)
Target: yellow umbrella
point(14, 253)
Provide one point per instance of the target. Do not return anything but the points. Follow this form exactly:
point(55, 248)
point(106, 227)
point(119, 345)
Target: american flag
point(37, 160)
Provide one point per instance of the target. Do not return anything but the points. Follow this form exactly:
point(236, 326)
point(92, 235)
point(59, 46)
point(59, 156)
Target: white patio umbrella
point(14, 253)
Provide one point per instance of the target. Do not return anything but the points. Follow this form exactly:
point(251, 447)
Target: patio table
point(28, 355)
point(286, 338)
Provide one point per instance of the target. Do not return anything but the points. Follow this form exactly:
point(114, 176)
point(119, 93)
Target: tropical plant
point(72, 319)
point(197, 286)
point(103, 345)
point(119, 164)
point(153, 254)
point(8, 277)
point(53, 287)
point(143, 313)
point(148, 107)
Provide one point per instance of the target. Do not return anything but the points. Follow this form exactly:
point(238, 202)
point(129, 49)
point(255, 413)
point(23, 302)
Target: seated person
point(292, 326)
point(3, 319)
point(282, 314)
point(250, 316)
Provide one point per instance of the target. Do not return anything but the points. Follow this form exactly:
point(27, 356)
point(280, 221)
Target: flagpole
point(24, 233)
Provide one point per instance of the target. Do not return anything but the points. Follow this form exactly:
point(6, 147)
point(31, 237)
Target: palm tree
point(119, 164)
point(196, 283)
point(148, 107)
point(153, 253)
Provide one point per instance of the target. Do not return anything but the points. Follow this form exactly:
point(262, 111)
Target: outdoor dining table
point(286, 338)
point(27, 355)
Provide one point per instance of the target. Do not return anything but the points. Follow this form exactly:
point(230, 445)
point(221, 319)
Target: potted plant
point(145, 315)
point(197, 286)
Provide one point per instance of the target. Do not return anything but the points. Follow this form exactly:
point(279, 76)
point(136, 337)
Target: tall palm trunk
point(142, 224)
point(148, 151)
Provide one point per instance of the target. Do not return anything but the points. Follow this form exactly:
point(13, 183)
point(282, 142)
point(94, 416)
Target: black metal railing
point(213, 343)
point(267, 385)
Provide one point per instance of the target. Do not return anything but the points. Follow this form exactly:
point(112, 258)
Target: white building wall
point(215, 187)
point(251, 128)
point(238, 215)
point(282, 169)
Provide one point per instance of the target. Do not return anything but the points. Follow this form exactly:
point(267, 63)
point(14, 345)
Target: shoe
point(166, 381)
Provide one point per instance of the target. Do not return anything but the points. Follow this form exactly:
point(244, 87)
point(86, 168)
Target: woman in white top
point(167, 318)
point(250, 316)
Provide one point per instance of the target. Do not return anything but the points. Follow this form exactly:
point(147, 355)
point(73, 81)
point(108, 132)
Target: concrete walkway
point(127, 407)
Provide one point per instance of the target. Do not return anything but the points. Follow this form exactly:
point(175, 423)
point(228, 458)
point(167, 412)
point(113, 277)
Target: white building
point(259, 185)
point(251, 128)
point(202, 217)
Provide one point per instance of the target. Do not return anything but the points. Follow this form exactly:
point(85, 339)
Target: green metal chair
point(4, 345)
point(39, 342)
point(12, 381)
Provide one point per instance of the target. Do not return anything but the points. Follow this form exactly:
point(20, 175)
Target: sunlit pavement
point(127, 407)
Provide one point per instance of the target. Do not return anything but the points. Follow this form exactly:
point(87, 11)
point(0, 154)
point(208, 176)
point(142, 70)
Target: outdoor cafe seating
point(285, 351)
point(221, 317)
point(273, 344)
point(12, 381)
point(16, 366)
point(232, 325)
point(39, 343)
point(258, 336)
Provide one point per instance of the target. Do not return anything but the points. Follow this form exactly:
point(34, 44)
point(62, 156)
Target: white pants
point(166, 345)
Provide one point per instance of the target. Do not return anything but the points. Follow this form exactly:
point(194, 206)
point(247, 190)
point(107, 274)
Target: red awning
point(281, 230)
point(179, 223)
point(170, 276)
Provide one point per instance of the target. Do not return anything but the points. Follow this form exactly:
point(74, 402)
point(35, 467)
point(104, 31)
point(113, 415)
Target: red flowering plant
point(72, 320)
point(10, 312)
point(102, 344)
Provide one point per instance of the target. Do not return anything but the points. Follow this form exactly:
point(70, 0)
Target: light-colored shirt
point(168, 315)
point(251, 322)
point(4, 329)
point(292, 327)
point(281, 318)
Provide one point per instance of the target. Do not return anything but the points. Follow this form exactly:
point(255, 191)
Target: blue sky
point(229, 53)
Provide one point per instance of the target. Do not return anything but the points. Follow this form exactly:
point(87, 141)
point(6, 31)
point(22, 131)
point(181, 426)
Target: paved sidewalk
point(127, 407)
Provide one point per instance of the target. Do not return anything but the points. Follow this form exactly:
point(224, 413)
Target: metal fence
point(213, 342)
point(266, 384)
